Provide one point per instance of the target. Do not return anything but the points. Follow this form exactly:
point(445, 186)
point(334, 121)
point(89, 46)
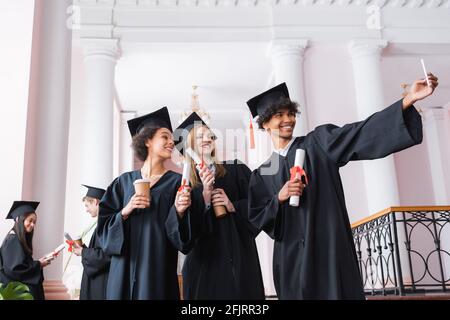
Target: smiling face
point(30, 222)
point(204, 141)
point(281, 124)
point(161, 144)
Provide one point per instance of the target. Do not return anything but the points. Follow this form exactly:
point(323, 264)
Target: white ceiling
point(221, 46)
point(149, 76)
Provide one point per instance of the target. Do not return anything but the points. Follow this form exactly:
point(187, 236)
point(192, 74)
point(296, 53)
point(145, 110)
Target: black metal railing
point(404, 250)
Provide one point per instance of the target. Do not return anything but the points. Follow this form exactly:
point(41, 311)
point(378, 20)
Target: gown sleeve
point(265, 211)
point(94, 260)
point(179, 230)
point(110, 228)
point(241, 205)
point(17, 264)
point(390, 130)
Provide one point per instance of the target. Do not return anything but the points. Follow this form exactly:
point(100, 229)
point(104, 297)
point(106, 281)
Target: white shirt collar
point(283, 152)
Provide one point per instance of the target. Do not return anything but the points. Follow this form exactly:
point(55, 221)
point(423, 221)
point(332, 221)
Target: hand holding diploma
point(75, 246)
point(206, 176)
point(183, 197)
point(185, 180)
point(45, 261)
point(293, 189)
point(183, 200)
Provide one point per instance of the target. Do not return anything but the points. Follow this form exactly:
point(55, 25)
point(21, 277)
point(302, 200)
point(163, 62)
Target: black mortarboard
point(94, 192)
point(261, 102)
point(185, 127)
point(159, 118)
point(19, 208)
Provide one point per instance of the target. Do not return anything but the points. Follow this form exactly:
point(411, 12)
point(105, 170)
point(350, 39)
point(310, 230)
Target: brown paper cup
point(220, 211)
point(142, 187)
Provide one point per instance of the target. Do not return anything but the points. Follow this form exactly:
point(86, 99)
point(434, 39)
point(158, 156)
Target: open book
point(52, 255)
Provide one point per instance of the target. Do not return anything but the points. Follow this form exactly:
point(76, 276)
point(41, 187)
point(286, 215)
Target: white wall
point(413, 165)
point(16, 29)
point(330, 98)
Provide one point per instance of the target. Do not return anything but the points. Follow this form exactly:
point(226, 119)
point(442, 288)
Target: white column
point(47, 127)
point(436, 123)
point(287, 61)
point(100, 61)
point(437, 136)
point(380, 175)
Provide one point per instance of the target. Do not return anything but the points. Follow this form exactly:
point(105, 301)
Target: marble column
point(100, 56)
point(47, 128)
point(380, 176)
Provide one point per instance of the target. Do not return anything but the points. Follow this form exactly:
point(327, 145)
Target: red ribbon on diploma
point(297, 170)
point(183, 186)
point(70, 243)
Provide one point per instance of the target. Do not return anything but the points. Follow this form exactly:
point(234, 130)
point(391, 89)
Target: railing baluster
point(401, 287)
point(438, 248)
point(380, 232)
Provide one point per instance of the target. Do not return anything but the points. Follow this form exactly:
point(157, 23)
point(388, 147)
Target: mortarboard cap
point(94, 192)
point(185, 127)
point(261, 102)
point(159, 118)
point(20, 208)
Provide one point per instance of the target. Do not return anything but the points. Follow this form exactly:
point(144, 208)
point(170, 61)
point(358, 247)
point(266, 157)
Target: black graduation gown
point(314, 254)
point(95, 271)
point(18, 265)
point(144, 247)
point(223, 263)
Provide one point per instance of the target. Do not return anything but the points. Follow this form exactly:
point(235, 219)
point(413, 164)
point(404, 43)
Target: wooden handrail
point(398, 209)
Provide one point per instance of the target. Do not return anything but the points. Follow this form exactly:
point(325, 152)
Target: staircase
point(55, 290)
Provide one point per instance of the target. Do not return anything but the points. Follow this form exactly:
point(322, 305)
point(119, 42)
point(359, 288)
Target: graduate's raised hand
point(291, 188)
point(183, 201)
point(136, 202)
point(220, 198)
point(420, 90)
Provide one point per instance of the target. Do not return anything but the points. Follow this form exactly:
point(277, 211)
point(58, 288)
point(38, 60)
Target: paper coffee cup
point(220, 211)
point(142, 187)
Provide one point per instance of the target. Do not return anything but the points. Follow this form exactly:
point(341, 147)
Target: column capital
point(366, 47)
point(101, 48)
point(287, 47)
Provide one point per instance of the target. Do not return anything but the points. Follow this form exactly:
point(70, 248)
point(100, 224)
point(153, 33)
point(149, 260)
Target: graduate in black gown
point(16, 252)
point(95, 261)
point(223, 262)
point(143, 234)
point(314, 255)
